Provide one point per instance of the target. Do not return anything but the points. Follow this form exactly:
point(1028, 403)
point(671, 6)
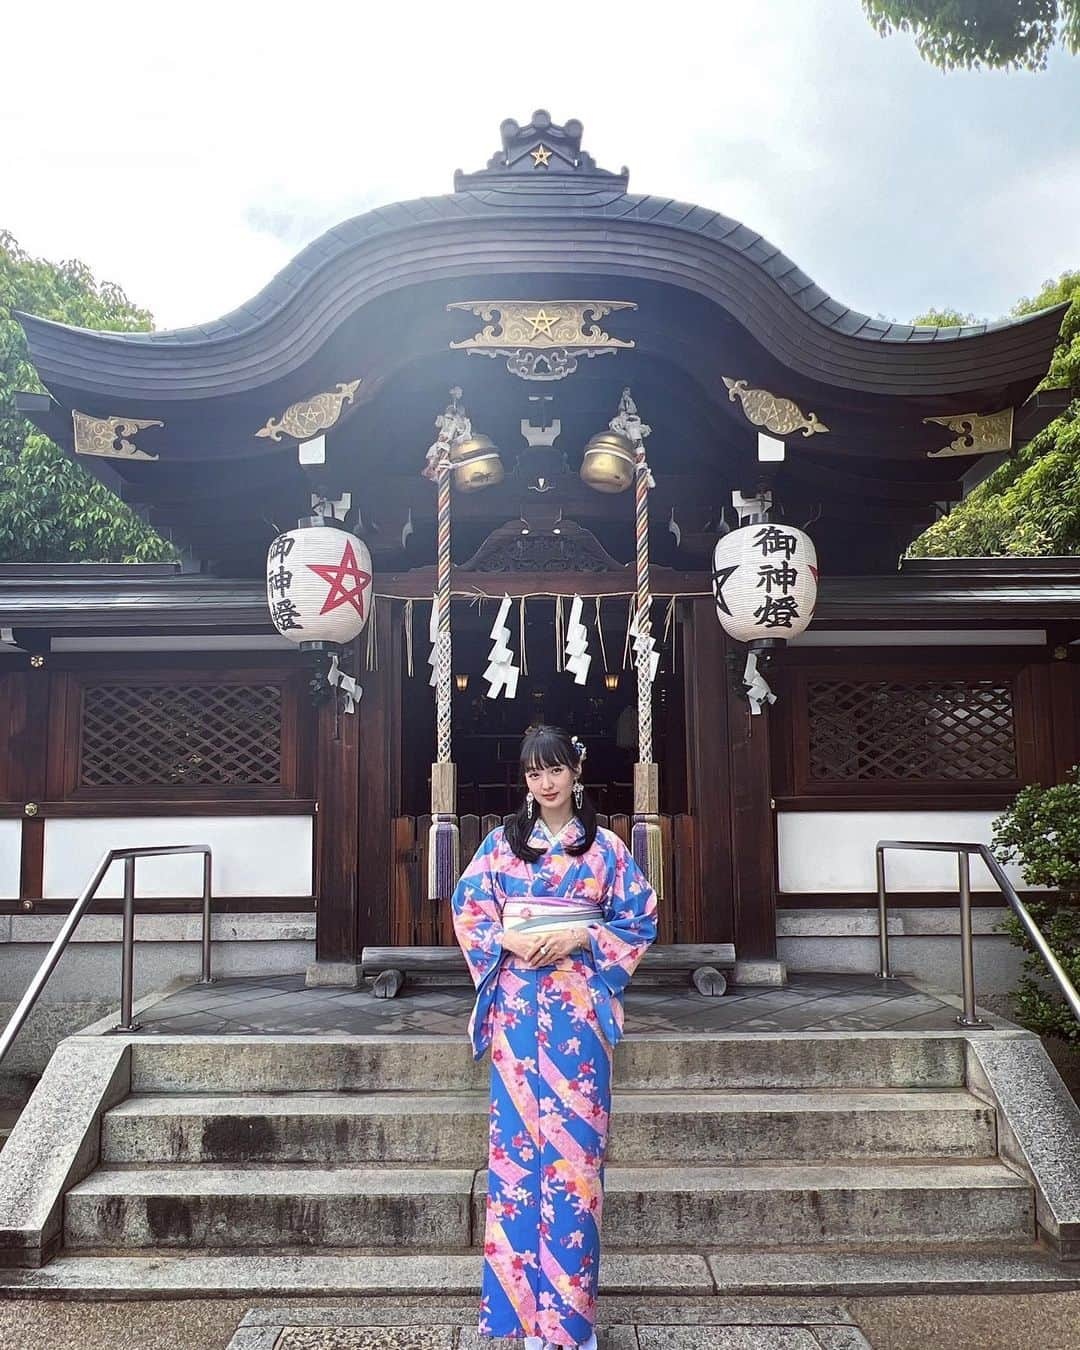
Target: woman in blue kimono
point(553, 915)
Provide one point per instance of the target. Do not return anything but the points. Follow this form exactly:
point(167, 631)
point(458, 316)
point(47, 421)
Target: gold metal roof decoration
point(980, 433)
point(542, 340)
point(307, 418)
point(107, 436)
point(781, 416)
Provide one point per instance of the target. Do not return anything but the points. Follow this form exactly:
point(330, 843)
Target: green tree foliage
point(51, 509)
point(944, 318)
point(1030, 505)
point(1041, 831)
point(1001, 34)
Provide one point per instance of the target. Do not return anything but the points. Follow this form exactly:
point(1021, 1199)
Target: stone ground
point(281, 1005)
point(960, 1322)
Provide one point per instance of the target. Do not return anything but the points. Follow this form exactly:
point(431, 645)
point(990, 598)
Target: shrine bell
point(476, 464)
point(609, 462)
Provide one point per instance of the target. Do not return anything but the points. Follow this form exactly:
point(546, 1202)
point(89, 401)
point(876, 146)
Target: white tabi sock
point(534, 1343)
point(590, 1344)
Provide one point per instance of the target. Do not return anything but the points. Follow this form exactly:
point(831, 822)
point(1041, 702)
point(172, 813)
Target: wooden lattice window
point(932, 730)
point(180, 735)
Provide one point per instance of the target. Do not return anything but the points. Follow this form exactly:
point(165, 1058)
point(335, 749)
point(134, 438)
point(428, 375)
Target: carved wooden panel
point(568, 547)
point(180, 735)
point(927, 730)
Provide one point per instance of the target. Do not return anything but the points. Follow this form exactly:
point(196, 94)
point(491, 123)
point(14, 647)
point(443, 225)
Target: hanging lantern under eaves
point(765, 581)
point(318, 583)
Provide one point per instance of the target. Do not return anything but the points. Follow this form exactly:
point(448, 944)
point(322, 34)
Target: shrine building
point(533, 306)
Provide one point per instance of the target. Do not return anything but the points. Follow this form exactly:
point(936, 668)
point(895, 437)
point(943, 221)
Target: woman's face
point(552, 787)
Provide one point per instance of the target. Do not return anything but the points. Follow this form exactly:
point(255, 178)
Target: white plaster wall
point(934, 961)
point(825, 851)
point(10, 858)
point(253, 855)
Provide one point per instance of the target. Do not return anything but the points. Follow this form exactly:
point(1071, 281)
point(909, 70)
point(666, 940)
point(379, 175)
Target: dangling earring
point(530, 803)
point(579, 793)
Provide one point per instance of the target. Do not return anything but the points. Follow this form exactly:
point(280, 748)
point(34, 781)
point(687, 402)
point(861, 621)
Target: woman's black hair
point(543, 748)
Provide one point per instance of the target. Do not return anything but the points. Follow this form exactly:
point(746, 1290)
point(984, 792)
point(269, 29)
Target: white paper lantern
point(318, 584)
point(765, 581)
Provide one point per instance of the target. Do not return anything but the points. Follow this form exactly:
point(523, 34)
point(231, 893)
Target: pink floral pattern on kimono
point(551, 1032)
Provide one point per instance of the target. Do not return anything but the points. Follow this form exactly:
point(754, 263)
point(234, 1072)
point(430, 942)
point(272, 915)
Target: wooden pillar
point(1063, 679)
point(753, 822)
point(708, 768)
point(27, 757)
point(357, 786)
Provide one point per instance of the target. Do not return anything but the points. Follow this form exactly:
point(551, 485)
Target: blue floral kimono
point(551, 1032)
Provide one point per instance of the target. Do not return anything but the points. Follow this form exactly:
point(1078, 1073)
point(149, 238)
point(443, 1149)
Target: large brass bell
point(609, 462)
point(476, 464)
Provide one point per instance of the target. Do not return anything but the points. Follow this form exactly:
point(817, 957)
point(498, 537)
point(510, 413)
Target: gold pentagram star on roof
point(541, 155)
point(541, 322)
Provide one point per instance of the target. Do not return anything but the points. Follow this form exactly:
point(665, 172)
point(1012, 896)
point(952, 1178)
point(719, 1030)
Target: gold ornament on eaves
point(781, 416)
point(306, 419)
point(539, 324)
point(106, 436)
point(980, 433)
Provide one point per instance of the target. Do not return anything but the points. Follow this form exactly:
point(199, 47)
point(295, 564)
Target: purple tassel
point(647, 846)
point(444, 857)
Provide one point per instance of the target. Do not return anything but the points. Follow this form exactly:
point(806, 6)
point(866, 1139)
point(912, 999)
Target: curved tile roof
point(568, 217)
point(341, 239)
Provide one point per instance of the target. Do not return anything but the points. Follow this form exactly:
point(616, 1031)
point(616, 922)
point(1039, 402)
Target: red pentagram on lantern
point(338, 594)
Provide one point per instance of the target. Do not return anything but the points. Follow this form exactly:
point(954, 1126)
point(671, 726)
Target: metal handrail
point(127, 960)
point(968, 1017)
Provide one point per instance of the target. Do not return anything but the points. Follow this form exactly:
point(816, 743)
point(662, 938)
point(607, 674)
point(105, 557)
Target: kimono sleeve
point(619, 943)
point(478, 928)
point(478, 914)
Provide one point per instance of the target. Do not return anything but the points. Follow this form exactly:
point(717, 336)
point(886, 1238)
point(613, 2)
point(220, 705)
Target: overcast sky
point(188, 151)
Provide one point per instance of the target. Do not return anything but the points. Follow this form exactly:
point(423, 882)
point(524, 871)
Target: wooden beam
point(418, 584)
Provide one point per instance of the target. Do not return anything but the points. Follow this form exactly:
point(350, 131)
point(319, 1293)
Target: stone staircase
point(750, 1144)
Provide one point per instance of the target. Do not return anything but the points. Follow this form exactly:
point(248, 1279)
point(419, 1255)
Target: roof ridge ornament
point(540, 152)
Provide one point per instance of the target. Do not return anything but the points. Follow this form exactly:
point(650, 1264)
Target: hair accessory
point(579, 746)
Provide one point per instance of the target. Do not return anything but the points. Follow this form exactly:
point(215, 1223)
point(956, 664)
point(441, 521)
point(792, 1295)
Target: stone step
point(265, 1064)
point(414, 1208)
point(195, 1274)
point(767, 1205)
point(451, 1128)
point(211, 1207)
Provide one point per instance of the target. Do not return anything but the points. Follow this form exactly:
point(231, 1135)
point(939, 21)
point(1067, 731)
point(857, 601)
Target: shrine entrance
point(487, 735)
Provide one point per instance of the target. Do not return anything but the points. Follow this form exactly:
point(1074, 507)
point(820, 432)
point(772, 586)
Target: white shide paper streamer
point(501, 674)
point(757, 687)
point(578, 659)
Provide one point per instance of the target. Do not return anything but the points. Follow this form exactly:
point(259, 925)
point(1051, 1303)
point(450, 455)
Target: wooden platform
point(702, 962)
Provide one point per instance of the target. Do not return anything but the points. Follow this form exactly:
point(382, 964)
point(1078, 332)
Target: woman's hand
point(545, 948)
point(524, 945)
